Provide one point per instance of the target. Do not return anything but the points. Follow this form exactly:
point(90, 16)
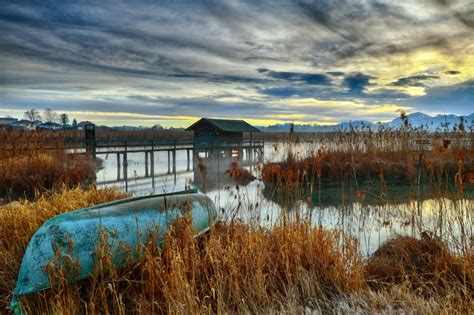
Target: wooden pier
point(246, 151)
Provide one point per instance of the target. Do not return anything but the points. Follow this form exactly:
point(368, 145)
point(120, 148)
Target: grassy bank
point(241, 269)
point(293, 267)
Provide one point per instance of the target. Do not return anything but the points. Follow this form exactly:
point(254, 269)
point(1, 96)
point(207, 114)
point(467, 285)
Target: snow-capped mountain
point(435, 123)
point(416, 121)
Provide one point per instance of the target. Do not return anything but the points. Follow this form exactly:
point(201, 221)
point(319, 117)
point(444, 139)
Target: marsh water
point(370, 219)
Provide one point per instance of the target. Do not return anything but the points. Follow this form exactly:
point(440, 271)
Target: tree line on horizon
point(49, 115)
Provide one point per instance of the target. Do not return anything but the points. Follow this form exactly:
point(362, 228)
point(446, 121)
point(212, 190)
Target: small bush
point(425, 265)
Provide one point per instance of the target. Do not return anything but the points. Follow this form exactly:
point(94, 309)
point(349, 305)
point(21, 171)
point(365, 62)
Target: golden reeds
point(293, 267)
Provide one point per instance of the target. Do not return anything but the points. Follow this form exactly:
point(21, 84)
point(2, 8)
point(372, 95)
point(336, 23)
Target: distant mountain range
point(416, 121)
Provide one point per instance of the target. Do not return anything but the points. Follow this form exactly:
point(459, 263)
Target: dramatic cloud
point(170, 62)
point(452, 72)
point(357, 82)
point(415, 80)
point(309, 78)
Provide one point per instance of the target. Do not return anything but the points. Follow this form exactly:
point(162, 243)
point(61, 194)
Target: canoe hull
point(73, 238)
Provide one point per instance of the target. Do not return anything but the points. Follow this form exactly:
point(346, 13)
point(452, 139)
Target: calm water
point(371, 223)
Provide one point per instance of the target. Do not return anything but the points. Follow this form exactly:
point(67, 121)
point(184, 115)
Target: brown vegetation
point(35, 162)
point(233, 268)
point(19, 220)
point(424, 265)
point(292, 267)
point(395, 166)
point(240, 175)
point(27, 176)
point(242, 269)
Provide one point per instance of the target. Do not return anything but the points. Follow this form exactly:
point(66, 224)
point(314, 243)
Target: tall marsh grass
point(237, 268)
point(20, 219)
point(31, 163)
point(295, 266)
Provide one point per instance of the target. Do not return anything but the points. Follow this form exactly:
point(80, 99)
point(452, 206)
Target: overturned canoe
point(76, 235)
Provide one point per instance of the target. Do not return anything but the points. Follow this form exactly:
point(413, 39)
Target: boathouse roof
point(226, 125)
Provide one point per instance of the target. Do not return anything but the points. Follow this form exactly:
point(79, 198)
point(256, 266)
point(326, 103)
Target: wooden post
point(125, 167)
point(118, 166)
point(90, 140)
point(152, 166)
point(169, 161)
point(146, 164)
point(174, 157)
point(188, 160)
point(241, 151)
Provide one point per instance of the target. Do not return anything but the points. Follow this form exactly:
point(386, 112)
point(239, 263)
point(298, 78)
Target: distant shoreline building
point(50, 126)
point(7, 122)
point(24, 124)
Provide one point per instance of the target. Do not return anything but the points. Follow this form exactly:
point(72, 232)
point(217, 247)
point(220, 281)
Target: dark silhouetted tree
point(32, 114)
point(50, 115)
point(64, 119)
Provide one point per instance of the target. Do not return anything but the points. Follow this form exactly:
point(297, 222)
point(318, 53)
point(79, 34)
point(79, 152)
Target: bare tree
point(50, 115)
point(32, 114)
point(64, 118)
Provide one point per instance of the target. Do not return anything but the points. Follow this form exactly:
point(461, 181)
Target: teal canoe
point(75, 235)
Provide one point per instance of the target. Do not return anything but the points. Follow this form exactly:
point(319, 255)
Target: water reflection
point(369, 218)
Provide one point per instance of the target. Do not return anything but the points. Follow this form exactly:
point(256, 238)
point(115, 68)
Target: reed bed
point(238, 268)
point(28, 176)
point(295, 266)
point(32, 162)
point(20, 219)
point(373, 158)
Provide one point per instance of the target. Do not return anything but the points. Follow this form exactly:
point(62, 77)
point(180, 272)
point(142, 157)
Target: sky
point(149, 62)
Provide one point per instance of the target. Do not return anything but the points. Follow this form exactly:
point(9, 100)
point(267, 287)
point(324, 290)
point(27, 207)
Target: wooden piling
point(125, 167)
point(152, 165)
point(187, 160)
point(169, 161)
point(118, 166)
point(146, 164)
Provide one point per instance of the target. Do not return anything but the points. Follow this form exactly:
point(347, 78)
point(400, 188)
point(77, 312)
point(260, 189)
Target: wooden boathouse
point(220, 132)
point(224, 139)
point(219, 142)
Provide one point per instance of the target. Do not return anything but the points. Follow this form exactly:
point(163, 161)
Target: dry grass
point(32, 162)
point(232, 269)
point(19, 221)
point(27, 176)
point(293, 267)
point(359, 166)
point(241, 269)
point(424, 266)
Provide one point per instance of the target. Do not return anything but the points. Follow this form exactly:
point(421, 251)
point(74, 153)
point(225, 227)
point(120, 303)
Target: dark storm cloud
point(357, 82)
point(298, 91)
point(335, 73)
point(284, 92)
point(416, 80)
point(308, 78)
point(452, 72)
